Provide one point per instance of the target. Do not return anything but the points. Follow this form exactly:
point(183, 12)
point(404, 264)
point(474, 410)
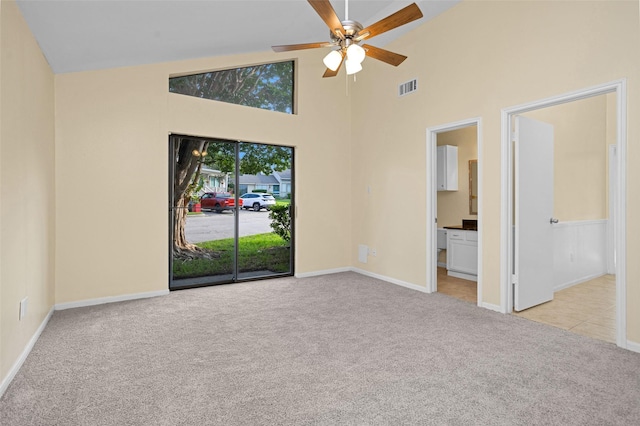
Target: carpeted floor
point(336, 349)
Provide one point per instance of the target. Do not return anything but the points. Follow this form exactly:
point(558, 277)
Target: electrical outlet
point(23, 308)
point(374, 252)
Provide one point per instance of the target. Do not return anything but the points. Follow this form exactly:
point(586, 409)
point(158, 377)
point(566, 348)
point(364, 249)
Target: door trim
point(619, 87)
point(432, 194)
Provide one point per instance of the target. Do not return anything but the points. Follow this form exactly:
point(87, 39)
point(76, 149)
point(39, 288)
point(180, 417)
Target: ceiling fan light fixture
point(355, 53)
point(332, 60)
point(352, 66)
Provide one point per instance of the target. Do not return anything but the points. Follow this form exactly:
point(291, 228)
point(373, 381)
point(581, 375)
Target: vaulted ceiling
point(83, 35)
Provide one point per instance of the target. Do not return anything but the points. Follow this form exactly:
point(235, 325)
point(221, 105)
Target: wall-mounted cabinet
point(447, 163)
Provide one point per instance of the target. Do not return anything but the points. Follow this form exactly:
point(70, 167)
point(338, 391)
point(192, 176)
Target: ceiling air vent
point(408, 87)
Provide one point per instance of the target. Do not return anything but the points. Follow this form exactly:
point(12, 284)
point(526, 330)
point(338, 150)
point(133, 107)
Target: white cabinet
point(462, 254)
point(447, 164)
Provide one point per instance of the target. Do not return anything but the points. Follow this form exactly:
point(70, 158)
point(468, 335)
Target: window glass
point(266, 86)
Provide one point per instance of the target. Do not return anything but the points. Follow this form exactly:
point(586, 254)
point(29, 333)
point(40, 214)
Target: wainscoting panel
point(580, 252)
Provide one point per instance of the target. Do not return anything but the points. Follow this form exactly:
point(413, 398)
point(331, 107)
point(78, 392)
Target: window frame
point(294, 86)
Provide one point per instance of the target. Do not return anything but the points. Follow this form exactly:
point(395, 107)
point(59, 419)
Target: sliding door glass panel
point(230, 215)
point(203, 211)
point(264, 225)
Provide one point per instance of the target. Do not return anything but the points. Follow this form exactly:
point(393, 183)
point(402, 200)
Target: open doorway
point(584, 287)
point(454, 210)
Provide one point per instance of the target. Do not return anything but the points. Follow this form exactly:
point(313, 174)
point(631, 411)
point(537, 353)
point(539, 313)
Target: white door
point(533, 213)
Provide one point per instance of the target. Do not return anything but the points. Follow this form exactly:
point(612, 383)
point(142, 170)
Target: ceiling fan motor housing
point(351, 29)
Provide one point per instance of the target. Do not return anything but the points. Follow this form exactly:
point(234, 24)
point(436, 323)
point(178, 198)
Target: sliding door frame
point(237, 211)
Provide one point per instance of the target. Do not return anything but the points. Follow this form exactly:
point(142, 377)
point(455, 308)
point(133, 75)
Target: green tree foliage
point(254, 158)
point(267, 86)
point(281, 221)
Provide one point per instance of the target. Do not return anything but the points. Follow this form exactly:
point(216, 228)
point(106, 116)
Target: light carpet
point(335, 349)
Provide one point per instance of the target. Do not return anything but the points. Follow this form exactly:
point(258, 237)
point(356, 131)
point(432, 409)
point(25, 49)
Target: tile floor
point(588, 308)
point(456, 287)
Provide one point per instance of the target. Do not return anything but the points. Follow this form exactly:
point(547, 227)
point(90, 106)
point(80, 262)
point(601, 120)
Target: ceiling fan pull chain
point(346, 85)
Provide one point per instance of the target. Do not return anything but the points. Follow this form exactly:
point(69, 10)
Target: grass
point(283, 202)
point(262, 252)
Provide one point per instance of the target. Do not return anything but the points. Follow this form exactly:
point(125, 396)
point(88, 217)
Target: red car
point(218, 201)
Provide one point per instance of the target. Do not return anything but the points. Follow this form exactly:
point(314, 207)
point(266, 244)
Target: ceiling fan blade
point(401, 17)
point(288, 47)
point(329, 73)
point(328, 15)
point(383, 55)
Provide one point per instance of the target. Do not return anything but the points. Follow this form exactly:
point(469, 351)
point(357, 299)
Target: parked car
point(257, 201)
point(218, 201)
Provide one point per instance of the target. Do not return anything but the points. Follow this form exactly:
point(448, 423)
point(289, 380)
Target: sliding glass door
point(230, 211)
point(264, 225)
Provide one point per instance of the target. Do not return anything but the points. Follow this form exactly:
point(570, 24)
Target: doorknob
point(553, 220)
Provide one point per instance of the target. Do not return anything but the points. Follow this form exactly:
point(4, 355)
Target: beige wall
point(111, 132)
point(453, 206)
point(111, 135)
point(27, 209)
point(472, 61)
point(580, 157)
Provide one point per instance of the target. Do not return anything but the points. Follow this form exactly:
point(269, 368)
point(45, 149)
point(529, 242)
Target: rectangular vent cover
point(408, 87)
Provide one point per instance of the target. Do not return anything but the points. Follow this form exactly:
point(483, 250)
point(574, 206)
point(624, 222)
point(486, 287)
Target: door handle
point(553, 220)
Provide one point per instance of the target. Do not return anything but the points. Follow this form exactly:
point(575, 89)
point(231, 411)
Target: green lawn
point(262, 252)
point(283, 202)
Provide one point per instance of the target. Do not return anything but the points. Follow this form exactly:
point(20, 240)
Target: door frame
point(619, 87)
point(432, 201)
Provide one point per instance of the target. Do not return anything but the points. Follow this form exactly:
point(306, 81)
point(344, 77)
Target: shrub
point(281, 221)
point(262, 191)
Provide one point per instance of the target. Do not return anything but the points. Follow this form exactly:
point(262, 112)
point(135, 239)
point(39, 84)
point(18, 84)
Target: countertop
point(461, 228)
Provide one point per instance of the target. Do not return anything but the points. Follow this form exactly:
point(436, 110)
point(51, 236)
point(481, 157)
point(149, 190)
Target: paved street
point(216, 226)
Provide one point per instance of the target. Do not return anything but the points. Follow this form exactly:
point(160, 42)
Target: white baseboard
point(323, 272)
point(633, 346)
point(25, 353)
point(109, 299)
point(463, 276)
point(391, 280)
point(491, 307)
point(576, 282)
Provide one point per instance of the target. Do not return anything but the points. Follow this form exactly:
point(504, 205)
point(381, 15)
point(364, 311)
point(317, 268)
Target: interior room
point(457, 213)
point(349, 335)
point(584, 260)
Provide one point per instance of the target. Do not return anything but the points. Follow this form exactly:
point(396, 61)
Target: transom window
point(266, 86)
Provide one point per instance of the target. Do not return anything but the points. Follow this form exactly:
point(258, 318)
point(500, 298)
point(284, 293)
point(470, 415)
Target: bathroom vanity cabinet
point(462, 254)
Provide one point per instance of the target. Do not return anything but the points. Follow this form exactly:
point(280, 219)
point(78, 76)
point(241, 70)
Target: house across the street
point(277, 183)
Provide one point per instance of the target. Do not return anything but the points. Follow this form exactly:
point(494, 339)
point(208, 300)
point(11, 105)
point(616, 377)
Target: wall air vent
point(408, 87)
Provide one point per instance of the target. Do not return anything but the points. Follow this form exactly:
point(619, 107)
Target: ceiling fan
point(346, 36)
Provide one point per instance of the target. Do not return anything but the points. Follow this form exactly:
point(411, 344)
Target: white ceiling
point(81, 35)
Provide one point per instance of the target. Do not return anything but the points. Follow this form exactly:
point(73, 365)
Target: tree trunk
point(180, 242)
point(186, 175)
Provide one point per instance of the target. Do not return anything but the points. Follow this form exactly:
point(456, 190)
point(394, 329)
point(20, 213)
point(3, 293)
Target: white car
point(257, 201)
